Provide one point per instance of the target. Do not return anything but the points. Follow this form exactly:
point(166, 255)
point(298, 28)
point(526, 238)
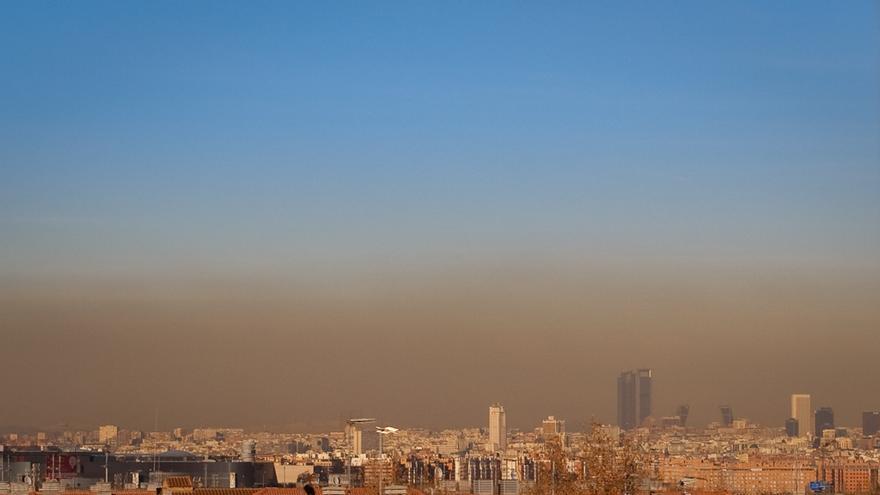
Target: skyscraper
point(802, 411)
point(870, 422)
point(726, 416)
point(359, 439)
point(633, 397)
point(824, 420)
point(682, 413)
point(791, 427)
point(497, 427)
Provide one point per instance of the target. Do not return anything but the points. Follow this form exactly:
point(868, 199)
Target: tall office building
point(791, 427)
point(726, 416)
point(497, 427)
point(802, 411)
point(682, 413)
point(552, 427)
point(870, 423)
point(633, 397)
point(824, 420)
point(361, 437)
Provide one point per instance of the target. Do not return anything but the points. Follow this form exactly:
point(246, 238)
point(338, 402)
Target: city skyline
point(497, 428)
point(439, 248)
point(201, 460)
point(292, 214)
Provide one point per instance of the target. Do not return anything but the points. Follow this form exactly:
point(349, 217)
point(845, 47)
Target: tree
point(552, 475)
point(612, 466)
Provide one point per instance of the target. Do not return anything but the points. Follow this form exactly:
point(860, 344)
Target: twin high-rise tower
point(633, 397)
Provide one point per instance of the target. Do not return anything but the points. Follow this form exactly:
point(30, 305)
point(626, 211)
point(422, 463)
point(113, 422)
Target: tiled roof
point(287, 491)
point(225, 491)
point(178, 482)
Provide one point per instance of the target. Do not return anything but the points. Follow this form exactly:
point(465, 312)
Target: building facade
point(633, 397)
point(870, 423)
point(107, 434)
point(802, 411)
point(791, 427)
point(552, 427)
point(824, 420)
point(726, 416)
point(497, 427)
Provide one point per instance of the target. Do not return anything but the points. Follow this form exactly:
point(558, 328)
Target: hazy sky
point(280, 213)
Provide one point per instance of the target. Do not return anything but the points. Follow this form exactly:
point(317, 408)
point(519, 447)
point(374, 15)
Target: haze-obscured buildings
point(497, 427)
point(802, 411)
point(726, 416)
point(634, 397)
point(870, 422)
point(824, 420)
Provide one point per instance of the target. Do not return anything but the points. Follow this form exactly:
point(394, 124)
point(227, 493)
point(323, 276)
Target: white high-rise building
point(802, 411)
point(497, 427)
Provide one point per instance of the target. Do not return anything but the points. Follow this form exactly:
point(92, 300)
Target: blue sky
point(161, 136)
point(569, 187)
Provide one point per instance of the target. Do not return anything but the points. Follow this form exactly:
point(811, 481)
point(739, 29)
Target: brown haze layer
point(434, 348)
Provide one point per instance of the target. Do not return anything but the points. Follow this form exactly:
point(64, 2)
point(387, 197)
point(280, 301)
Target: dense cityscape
point(809, 453)
point(408, 247)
